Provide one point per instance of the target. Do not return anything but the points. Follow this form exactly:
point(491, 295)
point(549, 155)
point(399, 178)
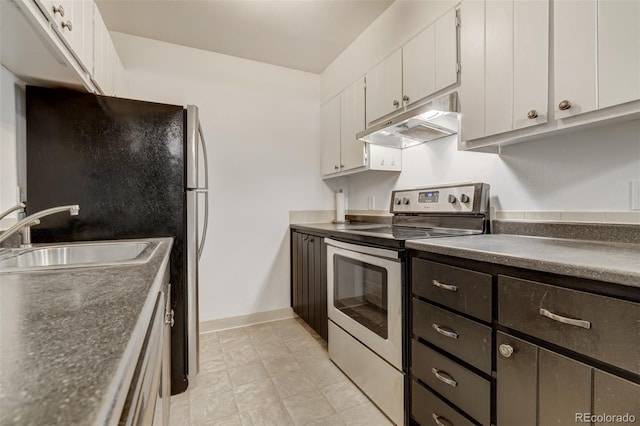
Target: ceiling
point(305, 35)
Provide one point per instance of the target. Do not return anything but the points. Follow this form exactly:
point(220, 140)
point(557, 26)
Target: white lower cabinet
point(342, 153)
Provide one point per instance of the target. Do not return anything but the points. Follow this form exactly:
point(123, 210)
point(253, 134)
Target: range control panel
point(465, 198)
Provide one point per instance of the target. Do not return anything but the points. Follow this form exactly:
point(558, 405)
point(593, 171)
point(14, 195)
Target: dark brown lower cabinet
point(309, 280)
point(536, 386)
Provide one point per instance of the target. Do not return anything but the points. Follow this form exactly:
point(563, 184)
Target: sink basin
point(75, 255)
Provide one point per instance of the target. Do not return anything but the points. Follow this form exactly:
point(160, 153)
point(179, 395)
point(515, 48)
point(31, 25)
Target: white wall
point(262, 126)
point(584, 170)
point(12, 131)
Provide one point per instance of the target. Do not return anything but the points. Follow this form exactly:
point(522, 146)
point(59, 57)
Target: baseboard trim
point(245, 320)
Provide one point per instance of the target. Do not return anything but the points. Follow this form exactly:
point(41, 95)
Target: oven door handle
point(373, 251)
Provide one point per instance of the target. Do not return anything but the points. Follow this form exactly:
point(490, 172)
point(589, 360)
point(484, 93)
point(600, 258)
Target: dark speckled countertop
point(67, 337)
point(604, 261)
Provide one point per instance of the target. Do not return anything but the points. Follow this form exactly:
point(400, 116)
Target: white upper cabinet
point(505, 50)
point(430, 60)
point(73, 20)
point(107, 68)
point(597, 55)
point(352, 121)
point(472, 93)
point(530, 63)
point(330, 136)
point(384, 87)
point(618, 52)
point(342, 153)
point(574, 57)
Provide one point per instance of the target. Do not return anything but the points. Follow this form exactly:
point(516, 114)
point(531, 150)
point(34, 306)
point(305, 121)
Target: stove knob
point(451, 198)
point(397, 201)
point(464, 198)
point(405, 200)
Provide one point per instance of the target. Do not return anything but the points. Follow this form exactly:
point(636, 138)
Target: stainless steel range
point(367, 269)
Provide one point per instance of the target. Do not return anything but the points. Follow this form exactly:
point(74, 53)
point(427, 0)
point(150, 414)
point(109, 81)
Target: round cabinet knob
point(397, 201)
point(451, 198)
point(396, 104)
point(532, 114)
point(464, 198)
point(505, 350)
point(58, 9)
point(67, 25)
point(405, 98)
point(564, 105)
point(382, 162)
point(405, 200)
point(335, 167)
point(342, 166)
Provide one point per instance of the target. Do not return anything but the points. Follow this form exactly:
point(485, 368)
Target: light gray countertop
point(604, 261)
point(68, 336)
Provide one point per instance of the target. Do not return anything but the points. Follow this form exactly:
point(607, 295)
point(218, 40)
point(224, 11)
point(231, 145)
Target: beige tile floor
point(275, 373)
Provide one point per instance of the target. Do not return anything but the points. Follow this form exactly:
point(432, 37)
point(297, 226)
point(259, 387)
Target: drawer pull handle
point(444, 331)
point(444, 286)
point(440, 375)
point(565, 320)
point(441, 421)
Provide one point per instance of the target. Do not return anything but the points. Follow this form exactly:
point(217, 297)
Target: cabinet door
point(613, 395)
point(331, 137)
point(530, 62)
point(499, 66)
point(564, 389)
point(418, 66)
point(618, 52)
point(516, 391)
point(574, 57)
point(296, 271)
point(472, 93)
point(384, 87)
point(446, 51)
point(352, 122)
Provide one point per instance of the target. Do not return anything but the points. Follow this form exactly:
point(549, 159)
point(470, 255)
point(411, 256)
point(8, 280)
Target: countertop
point(604, 261)
point(67, 338)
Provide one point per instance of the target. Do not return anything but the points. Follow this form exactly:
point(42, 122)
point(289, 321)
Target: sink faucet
point(24, 226)
point(6, 213)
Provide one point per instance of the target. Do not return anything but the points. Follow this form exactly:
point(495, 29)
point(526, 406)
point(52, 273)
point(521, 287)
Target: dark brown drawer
point(426, 408)
point(546, 312)
point(460, 289)
point(462, 337)
point(468, 391)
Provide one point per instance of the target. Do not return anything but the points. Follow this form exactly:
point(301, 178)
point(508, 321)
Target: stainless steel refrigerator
point(137, 169)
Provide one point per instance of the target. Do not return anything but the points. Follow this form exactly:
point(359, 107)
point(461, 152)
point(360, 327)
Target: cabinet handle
point(335, 167)
point(441, 375)
point(58, 9)
point(444, 286)
point(564, 105)
point(382, 162)
point(405, 98)
point(169, 318)
point(396, 103)
point(565, 320)
point(440, 421)
point(67, 25)
point(444, 331)
point(505, 350)
point(342, 166)
point(532, 114)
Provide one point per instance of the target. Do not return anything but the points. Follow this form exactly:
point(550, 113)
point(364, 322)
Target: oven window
point(360, 292)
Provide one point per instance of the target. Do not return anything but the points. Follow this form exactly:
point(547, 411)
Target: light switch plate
point(635, 194)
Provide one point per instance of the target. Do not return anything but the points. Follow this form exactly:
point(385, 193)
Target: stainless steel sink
point(76, 255)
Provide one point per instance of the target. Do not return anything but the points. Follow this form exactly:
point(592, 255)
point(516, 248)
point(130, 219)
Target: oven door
point(364, 296)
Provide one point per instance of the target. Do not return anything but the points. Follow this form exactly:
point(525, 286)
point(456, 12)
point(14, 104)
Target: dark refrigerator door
point(123, 162)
